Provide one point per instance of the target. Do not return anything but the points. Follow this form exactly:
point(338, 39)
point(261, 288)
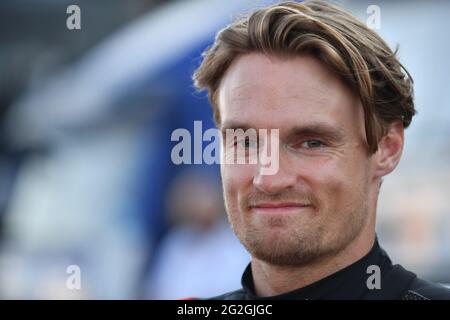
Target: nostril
point(273, 183)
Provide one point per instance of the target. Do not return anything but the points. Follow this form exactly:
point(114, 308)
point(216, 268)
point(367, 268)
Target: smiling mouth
point(279, 208)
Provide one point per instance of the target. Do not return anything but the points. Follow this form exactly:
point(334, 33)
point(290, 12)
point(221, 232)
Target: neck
point(271, 280)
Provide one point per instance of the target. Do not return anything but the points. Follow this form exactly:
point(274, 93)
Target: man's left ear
point(389, 150)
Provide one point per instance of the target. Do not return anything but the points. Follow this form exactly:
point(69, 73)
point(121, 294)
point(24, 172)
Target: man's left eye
point(312, 144)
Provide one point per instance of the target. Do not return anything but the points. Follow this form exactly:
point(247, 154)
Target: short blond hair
point(334, 36)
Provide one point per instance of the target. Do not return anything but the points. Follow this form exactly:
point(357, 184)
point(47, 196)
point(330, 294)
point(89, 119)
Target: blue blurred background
point(86, 176)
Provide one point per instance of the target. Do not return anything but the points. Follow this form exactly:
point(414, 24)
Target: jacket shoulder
point(421, 289)
point(233, 295)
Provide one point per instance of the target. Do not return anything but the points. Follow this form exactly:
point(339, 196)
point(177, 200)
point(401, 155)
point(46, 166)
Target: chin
point(278, 247)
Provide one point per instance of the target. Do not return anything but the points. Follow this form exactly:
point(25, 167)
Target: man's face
point(318, 200)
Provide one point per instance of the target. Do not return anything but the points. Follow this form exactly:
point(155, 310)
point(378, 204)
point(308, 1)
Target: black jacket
point(351, 283)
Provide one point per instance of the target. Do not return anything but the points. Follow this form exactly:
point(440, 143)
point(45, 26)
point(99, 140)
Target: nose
point(283, 179)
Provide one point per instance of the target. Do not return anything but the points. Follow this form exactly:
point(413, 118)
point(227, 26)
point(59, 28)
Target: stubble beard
point(286, 241)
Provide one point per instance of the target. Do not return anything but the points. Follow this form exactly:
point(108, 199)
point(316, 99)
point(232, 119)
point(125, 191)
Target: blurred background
point(86, 177)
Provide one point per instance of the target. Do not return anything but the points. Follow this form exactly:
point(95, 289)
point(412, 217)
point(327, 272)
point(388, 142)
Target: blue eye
point(312, 144)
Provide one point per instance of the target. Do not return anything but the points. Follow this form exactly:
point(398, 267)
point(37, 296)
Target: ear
point(389, 150)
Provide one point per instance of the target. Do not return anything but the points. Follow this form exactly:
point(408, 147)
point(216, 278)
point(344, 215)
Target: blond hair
point(334, 36)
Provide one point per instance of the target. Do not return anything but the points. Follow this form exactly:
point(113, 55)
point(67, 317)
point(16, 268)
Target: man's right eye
point(246, 143)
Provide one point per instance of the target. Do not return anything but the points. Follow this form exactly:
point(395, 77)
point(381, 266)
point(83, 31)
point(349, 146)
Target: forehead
point(268, 92)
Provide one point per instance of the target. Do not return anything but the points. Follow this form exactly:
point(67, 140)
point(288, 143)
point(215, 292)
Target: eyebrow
point(322, 129)
point(334, 133)
point(234, 126)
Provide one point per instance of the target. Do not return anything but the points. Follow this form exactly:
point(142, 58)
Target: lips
point(282, 207)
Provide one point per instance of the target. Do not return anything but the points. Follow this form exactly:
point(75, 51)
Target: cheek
point(236, 179)
point(334, 182)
